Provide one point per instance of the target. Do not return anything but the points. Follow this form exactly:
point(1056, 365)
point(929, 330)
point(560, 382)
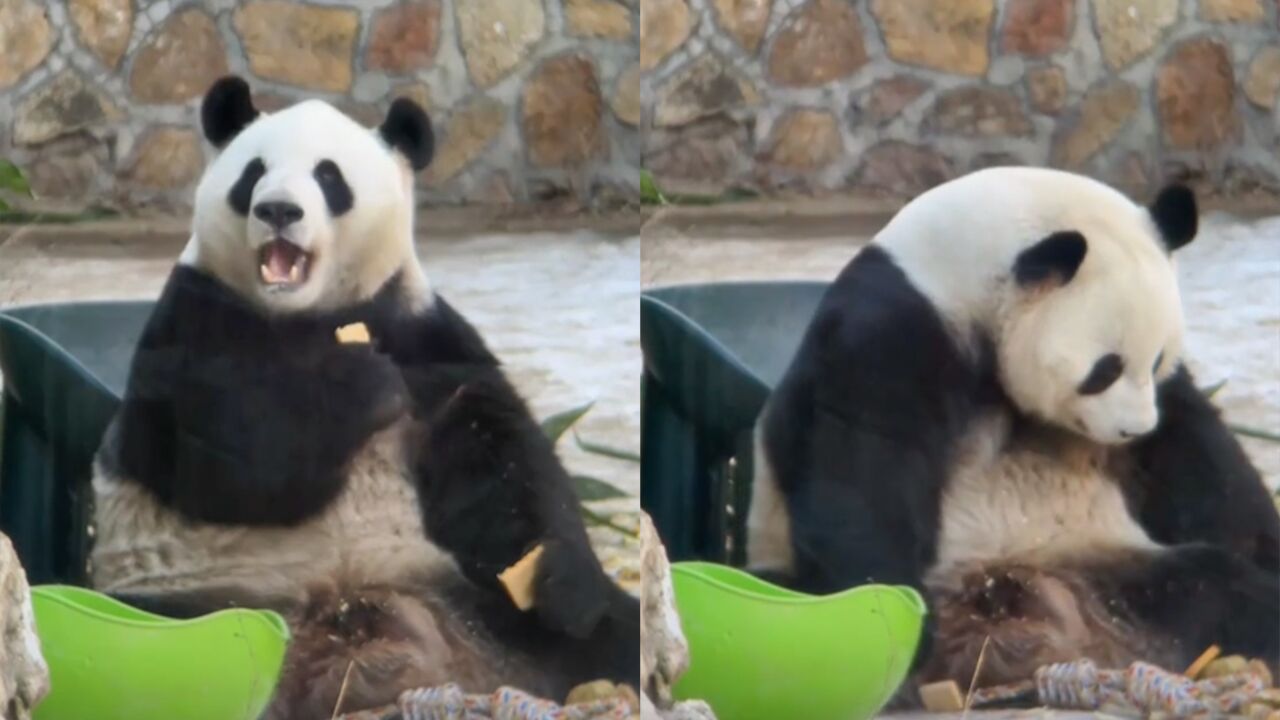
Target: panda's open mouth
point(283, 265)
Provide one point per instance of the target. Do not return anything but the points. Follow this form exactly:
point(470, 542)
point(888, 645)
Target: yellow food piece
point(1203, 661)
point(353, 333)
point(1222, 667)
point(518, 579)
point(591, 692)
point(942, 697)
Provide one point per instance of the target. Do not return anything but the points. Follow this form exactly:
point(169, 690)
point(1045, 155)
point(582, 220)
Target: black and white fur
point(990, 405)
point(370, 492)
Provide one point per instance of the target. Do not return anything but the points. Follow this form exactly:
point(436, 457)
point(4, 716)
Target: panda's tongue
point(282, 262)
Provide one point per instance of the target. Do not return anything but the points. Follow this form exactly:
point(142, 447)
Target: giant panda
point(370, 492)
point(990, 404)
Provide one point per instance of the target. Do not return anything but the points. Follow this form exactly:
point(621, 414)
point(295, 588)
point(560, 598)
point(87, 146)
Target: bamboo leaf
point(557, 425)
point(1213, 389)
point(593, 518)
point(1255, 433)
point(605, 450)
point(649, 192)
point(12, 179)
point(590, 489)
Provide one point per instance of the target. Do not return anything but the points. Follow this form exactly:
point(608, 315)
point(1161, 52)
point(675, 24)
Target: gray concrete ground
point(558, 308)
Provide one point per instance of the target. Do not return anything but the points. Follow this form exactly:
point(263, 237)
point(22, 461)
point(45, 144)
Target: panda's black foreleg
point(1194, 482)
point(1198, 595)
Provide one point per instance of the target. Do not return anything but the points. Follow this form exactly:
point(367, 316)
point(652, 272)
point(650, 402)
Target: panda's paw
point(367, 379)
point(571, 592)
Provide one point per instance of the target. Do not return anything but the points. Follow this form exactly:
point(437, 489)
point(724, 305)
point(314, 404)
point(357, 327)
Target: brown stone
point(744, 20)
point(404, 37)
point(888, 97)
point(821, 42)
point(705, 157)
point(978, 111)
point(1105, 109)
point(598, 18)
point(1234, 11)
point(664, 26)
point(1128, 29)
point(1047, 89)
point(493, 190)
point(270, 102)
point(804, 141)
point(297, 44)
point(497, 35)
point(902, 169)
point(561, 113)
point(104, 27)
point(626, 96)
point(1195, 96)
point(474, 126)
point(1133, 174)
point(69, 168)
point(65, 105)
point(180, 61)
point(950, 36)
point(985, 160)
point(1262, 81)
point(25, 39)
point(705, 87)
point(168, 158)
point(1037, 27)
point(366, 114)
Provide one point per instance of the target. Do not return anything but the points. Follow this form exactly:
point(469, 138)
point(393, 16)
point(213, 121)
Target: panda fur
point(932, 431)
point(371, 493)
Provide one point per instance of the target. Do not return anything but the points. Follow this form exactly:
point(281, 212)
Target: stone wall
point(531, 98)
point(889, 97)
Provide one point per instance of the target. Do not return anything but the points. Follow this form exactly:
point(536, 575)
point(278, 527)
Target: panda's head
point(1094, 322)
point(305, 208)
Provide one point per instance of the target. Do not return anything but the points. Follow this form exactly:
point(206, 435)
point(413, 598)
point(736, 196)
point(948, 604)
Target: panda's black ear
point(1054, 259)
point(408, 129)
point(226, 110)
point(1175, 214)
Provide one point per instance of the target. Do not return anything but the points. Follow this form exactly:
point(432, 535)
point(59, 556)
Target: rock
point(705, 87)
point(63, 106)
point(1195, 93)
point(900, 169)
point(1262, 80)
point(1133, 175)
point(1047, 89)
point(104, 27)
point(475, 124)
point(949, 36)
point(804, 141)
point(1128, 29)
point(978, 111)
point(168, 158)
point(994, 159)
point(664, 652)
point(26, 36)
point(1235, 11)
point(495, 190)
point(744, 20)
point(562, 112)
point(69, 168)
point(1105, 109)
point(180, 61)
point(1037, 27)
point(626, 96)
point(302, 45)
point(366, 114)
point(496, 35)
point(24, 676)
point(598, 18)
point(404, 37)
point(888, 97)
point(417, 92)
point(820, 42)
point(664, 26)
point(703, 157)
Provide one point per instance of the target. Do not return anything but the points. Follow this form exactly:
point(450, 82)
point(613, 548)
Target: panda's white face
point(1087, 355)
point(303, 208)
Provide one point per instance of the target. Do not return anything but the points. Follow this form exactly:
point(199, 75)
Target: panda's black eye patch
point(1105, 372)
point(337, 193)
point(241, 193)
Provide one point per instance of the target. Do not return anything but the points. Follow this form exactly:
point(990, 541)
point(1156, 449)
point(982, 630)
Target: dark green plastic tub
point(712, 353)
point(64, 367)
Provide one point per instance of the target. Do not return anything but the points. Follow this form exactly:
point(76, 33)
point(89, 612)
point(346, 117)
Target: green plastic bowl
point(757, 650)
point(110, 661)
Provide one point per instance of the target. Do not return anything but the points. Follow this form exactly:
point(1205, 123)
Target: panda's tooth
point(295, 274)
point(264, 272)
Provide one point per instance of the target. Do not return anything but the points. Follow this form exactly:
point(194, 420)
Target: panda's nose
point(277, 214)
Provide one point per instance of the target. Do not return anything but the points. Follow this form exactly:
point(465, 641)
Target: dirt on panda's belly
point(372, 534)
point(1037, 496)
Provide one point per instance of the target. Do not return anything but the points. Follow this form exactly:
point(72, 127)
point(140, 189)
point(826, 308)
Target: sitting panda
point(990, 405)
point(371, 492)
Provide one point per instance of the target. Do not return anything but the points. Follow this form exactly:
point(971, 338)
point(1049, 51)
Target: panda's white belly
point(371, 534)
point(1029, 502)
